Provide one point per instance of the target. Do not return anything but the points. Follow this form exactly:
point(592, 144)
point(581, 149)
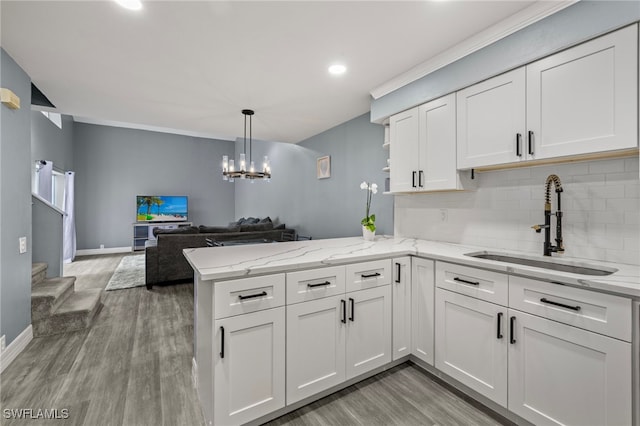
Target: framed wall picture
point(323, 167)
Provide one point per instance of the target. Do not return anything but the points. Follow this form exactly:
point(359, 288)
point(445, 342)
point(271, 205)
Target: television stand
point(143, 232)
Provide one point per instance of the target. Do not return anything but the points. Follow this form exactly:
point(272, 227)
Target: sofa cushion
point(218, 229)
point(179, 230)
point(256, 227)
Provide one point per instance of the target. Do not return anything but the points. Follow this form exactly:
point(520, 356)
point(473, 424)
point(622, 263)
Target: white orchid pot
point(368, 235)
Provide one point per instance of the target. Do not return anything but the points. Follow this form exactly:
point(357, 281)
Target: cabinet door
point(368, 330)
point(422, 309)
point(401, 295)
point(437, 150)
point(249, 370)
point(471, 345)
point(490, 116)
point(560, 374)
point(584, 99)
point(315, 346)
point(403, 153)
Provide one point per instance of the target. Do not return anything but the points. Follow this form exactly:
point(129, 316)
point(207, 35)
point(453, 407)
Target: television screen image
point(161, 208)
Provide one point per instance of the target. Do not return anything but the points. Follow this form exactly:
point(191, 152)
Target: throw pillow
point(281, 226)
point(256, 227)
point(265, 220)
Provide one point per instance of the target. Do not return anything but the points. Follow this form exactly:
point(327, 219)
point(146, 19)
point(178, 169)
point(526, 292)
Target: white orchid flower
point(374, 188)
point(363, 185)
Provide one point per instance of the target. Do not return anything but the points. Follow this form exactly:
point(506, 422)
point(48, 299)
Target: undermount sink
point(556, 265)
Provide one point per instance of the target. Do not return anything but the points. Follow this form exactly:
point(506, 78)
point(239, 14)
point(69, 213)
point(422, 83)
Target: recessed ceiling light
point(337, 69)
point(130, 4)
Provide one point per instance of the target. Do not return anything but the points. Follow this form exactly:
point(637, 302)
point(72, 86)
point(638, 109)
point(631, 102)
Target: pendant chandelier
point(229, 171)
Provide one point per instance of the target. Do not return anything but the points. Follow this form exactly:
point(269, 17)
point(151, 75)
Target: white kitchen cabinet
point(423, 148)
point(582, 100)
point(401, 297)
point(249, 366)
point(491, 121)
point(422, 309)
point(403, 151)
point(560, 374)
point(585, 99)
point(368, 330)
point(316, 348)
point(470, 343)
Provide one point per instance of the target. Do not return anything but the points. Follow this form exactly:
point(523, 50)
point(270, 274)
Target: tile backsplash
point(600, 204)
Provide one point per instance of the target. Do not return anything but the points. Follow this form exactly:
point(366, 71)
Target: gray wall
point(576, 23)
point(113, 165)
point(47, 227)
point(49, 142)
point(321, 208)
point(15, 202)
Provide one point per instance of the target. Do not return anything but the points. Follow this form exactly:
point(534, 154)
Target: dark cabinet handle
point(518, 144)
point(530, 142)
point(562, 305)
point(319, 284)
point(252, 296)
point(343, 304)
point(221, 342)
point(376, 274)
point(420, 176)
point(512, 330)
point(413, 179)
point(398, 272)
point(460, 280)
point(499, 333)
point(353, 314)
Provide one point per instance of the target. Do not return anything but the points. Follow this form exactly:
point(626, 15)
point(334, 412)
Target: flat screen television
point(162, 208)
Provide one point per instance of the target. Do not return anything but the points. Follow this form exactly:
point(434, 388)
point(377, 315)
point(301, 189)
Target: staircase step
point(38, 272)
point(75, 313)
point(49, 294)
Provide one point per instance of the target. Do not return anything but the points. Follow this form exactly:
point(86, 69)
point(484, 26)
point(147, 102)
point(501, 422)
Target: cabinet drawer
point(485, 285)
point(365, 275)
point(235, 297)
point(315, 284)
point(603, 313)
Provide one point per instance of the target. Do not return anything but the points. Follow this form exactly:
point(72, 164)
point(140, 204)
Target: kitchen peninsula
point(280, 325)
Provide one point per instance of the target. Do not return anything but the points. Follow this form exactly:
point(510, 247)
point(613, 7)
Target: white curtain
point(45, 169)
point(69, 225)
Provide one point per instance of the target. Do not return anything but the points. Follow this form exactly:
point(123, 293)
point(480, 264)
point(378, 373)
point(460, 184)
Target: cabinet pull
point(353, 314)
point(221, 342)
point(518, 144)
point(343, 304)
point(562, 305)
point(420, 176)
point(319, 284)
point(499, 333)
point(376, 274)
point(460, 280)
point(398, 272)
point(530, 138)
point(512, 330)
point(252, 296)
point(413, 179)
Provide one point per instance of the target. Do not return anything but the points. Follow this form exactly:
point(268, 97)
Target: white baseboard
point(13, 350)
point(111, 250)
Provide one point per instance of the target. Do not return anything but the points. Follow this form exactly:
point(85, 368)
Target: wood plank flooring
point(133, 368)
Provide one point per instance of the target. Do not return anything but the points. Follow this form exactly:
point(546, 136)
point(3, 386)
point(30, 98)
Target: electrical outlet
point(23, 244)
point(444, 215)
point(101, 246)
point(2, 343)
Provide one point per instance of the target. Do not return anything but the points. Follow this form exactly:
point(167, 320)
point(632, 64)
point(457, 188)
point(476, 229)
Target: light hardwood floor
point(133, 367)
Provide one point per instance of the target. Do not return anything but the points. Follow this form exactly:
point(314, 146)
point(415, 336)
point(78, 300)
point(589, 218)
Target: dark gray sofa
point(165, 262)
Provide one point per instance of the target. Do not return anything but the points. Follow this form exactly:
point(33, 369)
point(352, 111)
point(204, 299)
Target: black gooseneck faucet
point(548, 247)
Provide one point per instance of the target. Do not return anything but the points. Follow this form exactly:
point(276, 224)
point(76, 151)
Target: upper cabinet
point(580, 101)
point(423, 148)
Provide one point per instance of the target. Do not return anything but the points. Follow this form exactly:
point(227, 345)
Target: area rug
point(128, 274)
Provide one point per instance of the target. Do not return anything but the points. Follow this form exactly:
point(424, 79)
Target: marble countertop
point(221, 263)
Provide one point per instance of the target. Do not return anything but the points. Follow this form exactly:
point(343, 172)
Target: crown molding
point(502, 29)
point(148, 128)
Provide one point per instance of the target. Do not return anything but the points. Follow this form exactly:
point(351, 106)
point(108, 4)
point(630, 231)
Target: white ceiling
point(192, 66)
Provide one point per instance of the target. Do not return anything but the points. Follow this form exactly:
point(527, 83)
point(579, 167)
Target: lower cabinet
point(249, 366)
point(401, 298)
point(422, 309)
